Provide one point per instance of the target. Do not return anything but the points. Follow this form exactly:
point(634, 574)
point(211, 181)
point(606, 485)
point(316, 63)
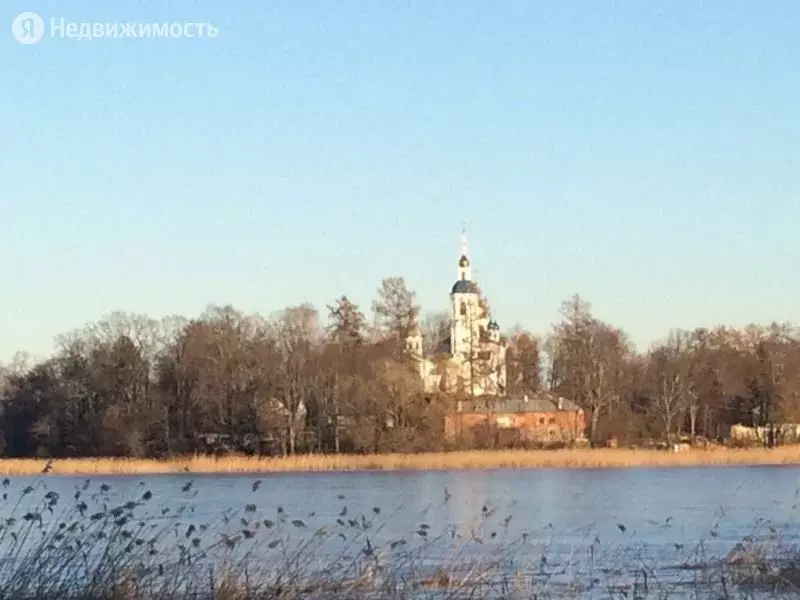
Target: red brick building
point(543, 418)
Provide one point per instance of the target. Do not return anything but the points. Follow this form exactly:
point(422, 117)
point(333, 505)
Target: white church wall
point(463, 368)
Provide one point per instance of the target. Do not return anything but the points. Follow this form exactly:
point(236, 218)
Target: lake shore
point(474, 459)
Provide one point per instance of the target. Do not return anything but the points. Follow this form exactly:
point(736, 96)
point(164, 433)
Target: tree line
point(304, 381)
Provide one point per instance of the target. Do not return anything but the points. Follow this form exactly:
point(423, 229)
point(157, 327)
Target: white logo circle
point(28, 28)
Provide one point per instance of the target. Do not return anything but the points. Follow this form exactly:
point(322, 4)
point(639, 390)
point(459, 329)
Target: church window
point(463, 308)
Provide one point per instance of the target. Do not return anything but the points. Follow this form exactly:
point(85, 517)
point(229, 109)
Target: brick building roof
point(538, 402)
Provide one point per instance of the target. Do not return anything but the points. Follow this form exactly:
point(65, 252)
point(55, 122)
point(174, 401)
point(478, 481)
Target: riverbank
point(475, 459)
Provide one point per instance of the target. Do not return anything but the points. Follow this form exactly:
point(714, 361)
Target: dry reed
point(476, 459)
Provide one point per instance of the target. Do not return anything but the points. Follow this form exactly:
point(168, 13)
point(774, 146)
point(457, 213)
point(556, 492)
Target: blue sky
point(642, 154)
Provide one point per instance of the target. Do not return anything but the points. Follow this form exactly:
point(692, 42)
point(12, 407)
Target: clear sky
point(642, 154)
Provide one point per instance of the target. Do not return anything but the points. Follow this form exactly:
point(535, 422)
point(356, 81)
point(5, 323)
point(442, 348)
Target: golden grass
point(476, 459)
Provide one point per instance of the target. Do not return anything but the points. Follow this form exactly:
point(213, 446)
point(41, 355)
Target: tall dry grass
point(476, 459)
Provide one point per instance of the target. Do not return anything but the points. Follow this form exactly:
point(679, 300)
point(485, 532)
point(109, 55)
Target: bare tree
point(388, 407)
point(523, 363)
point(346, 335)
point(587, 360)
point(774, 377)
point(671, 370)
point(346, 323)
point(477, 357)
point(436, 332)
point(298, 337)
point(396, 311)
point(17, 367)
point(212, 375)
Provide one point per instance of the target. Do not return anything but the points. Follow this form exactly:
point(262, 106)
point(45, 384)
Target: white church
point(472, 361)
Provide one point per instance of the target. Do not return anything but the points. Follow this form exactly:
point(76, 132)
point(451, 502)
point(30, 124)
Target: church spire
point(464, 271)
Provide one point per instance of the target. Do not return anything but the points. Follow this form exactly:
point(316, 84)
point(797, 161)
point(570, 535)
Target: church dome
point(464, 286)
point(463, 261)
point(493, 326)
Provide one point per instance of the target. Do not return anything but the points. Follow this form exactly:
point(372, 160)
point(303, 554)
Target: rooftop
point(538, 402)
point(464, 286)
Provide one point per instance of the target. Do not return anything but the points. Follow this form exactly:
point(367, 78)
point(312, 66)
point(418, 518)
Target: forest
point(340, 380)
